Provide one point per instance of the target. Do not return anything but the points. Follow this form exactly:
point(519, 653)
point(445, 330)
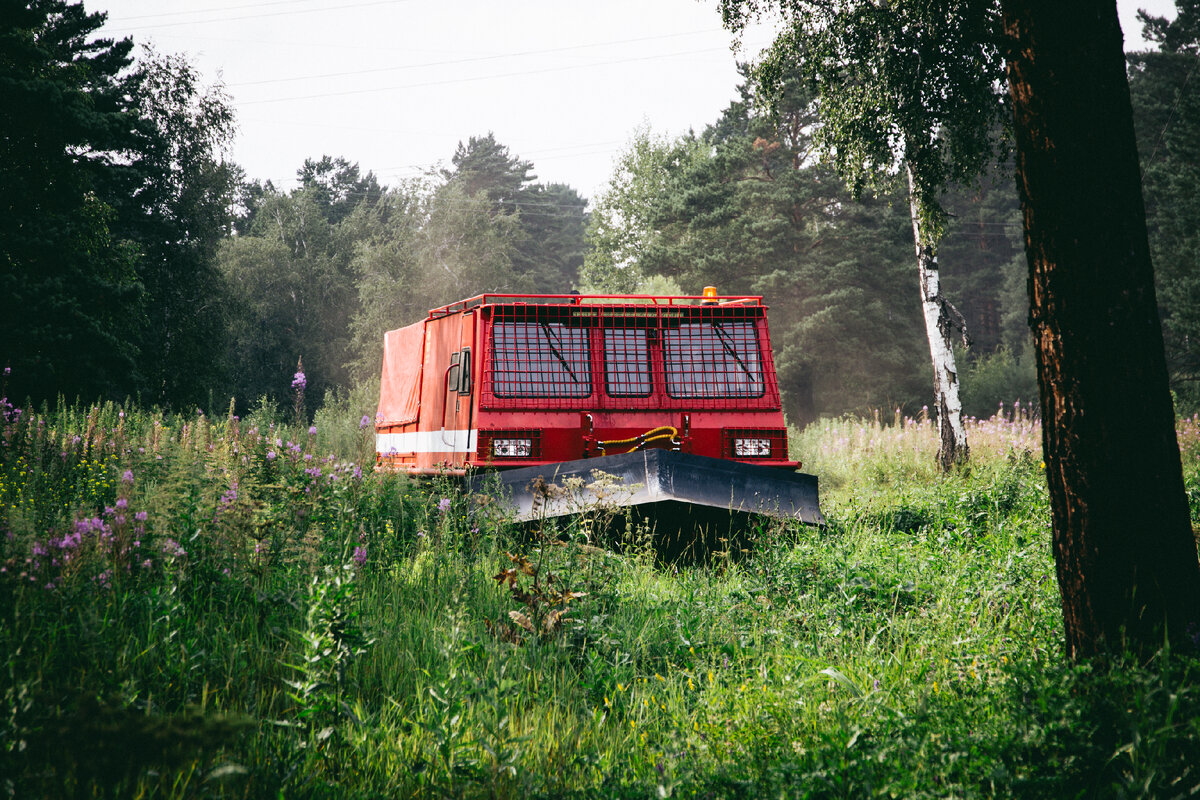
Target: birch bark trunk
point(941, 322)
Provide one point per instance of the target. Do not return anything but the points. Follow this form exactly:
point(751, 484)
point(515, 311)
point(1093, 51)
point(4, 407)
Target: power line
point(471, 60)
point(262, 16)
point(452, 81)
point(220, 8)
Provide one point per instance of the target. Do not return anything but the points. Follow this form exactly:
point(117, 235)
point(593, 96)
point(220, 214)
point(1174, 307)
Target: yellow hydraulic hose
point(641, 440)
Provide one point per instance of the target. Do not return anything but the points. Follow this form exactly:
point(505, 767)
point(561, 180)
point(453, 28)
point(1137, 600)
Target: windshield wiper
point(554, 351)
point(722, 335)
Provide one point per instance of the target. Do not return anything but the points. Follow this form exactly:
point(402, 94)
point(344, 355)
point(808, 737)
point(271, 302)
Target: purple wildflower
point(127, 477)
point(270, 455)
point(122, 502)
point(444, 505)
point(312, 430)
point(364, 422)
point(140, 516)
point(360, 555)
point(299, 381)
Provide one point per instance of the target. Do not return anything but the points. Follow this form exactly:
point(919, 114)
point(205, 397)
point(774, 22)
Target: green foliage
point(70, 310)
point(114, 194)
point(1179, 35)
point(1167, 122)
point(996, 379)
point(292, 289)
point(330, 641)
point(910, 648)
point(178, 215)
point(622, 228)
point(741, 208)
point(548, 238)
point(916, 84)
point(337, 187)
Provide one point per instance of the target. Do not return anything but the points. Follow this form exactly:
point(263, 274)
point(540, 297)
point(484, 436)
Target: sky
point(395, 85)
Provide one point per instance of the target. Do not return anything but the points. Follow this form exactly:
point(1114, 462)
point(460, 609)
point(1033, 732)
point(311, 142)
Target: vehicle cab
point(527, 380)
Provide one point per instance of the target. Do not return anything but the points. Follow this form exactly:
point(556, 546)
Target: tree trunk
point(941, 321)
point(1123, 542)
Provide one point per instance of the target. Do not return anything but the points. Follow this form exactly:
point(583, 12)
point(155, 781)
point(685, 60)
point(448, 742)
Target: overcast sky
point(395, 84)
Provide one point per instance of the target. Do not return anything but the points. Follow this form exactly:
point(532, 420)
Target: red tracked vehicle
point(675, 396)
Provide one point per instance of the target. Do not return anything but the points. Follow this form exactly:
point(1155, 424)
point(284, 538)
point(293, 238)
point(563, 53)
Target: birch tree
point(907, 90)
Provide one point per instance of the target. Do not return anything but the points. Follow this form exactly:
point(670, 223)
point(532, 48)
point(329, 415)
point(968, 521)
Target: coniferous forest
point(206, 590)
point(141, 262)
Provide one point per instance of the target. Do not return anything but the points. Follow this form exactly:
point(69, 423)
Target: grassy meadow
point(199, 607)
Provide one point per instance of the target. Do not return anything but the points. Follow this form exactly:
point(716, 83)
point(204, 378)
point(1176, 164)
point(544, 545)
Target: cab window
point(713, 359)
point(627, 362)
point(540, 359)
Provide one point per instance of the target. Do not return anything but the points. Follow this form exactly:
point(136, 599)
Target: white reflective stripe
point(427, 442)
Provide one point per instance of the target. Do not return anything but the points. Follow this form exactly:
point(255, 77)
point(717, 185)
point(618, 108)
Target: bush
point(996, 379)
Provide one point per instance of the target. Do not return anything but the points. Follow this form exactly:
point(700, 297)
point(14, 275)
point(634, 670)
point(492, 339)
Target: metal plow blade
point(687, 498)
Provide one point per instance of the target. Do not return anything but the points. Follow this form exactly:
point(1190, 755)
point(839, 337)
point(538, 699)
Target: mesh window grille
point(541, 359)
point(627, 362)
point(713, 359)
point(626, 356)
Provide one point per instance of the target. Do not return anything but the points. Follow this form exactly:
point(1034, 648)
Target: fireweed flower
point(299, 381)
point(360, 555)
point(312, 430)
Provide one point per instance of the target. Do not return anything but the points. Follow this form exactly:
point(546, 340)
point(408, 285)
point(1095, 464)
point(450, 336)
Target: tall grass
point(193, 607)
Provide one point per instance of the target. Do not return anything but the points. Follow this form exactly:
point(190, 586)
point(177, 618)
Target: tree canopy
point(73, 297)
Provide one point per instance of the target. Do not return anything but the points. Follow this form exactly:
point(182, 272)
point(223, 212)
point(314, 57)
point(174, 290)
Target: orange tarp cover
point(399, 388)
